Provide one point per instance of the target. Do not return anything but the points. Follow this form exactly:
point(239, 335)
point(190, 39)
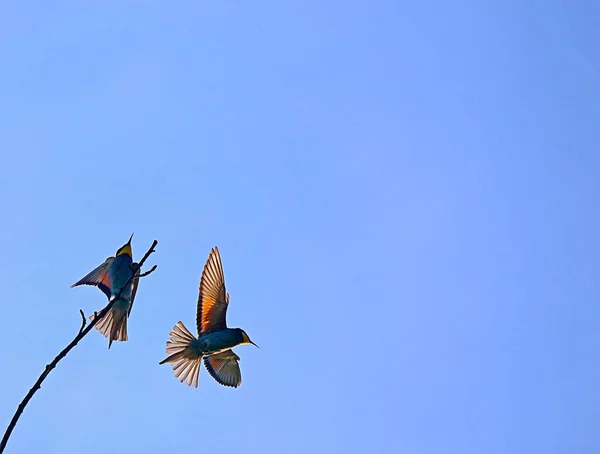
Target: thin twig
point(83, 321)
point(83, 331)
point(147, 272)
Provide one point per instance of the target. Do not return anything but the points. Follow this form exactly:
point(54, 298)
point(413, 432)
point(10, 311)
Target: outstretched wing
point(212, 297)
point(224, 368)
point(98, 277)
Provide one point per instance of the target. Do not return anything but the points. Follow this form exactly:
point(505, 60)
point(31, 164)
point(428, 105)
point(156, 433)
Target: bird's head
point(246, 339)
point(126, 248)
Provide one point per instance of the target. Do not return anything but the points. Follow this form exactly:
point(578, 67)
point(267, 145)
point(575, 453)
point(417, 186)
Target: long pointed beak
point(129, 242)
point(254, 344)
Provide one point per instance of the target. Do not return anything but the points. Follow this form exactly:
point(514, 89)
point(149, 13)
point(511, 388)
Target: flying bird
point(215, 340)
point(110, 277)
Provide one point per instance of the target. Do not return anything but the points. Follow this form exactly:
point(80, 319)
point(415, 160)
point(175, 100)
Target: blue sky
point(405, 196)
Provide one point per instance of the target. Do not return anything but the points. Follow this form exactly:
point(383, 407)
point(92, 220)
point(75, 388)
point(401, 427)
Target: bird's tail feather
point(186, 363)
point(113, 330)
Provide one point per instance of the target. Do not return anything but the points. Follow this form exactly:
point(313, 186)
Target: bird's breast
point(216, 342)
point(120, 272)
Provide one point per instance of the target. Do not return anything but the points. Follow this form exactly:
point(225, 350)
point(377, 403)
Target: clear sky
point(405, 196)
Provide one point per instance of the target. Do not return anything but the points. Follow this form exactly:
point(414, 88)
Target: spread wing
point(224, 368)
point(98, 277)
point(212, 297)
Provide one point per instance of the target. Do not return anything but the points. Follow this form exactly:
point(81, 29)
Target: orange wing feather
point(212, 297)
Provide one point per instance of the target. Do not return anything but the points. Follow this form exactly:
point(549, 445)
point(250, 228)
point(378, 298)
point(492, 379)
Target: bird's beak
point(129, 242)
point(253, 344)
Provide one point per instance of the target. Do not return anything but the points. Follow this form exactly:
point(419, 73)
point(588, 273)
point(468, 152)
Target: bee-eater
point(110, 277)
point(215, 340)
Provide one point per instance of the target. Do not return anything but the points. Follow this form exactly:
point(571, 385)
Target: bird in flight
point(110, 277)
point(215, 340)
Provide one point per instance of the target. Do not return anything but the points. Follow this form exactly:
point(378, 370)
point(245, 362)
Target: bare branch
point(148, 272)
point(83, 321)
point(83, 331)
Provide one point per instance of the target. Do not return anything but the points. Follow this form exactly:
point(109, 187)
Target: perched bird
point(110, 277)
point(215, 340)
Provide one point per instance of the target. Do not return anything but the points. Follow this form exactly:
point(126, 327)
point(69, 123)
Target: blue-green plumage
point(217, 341)
point(120, 272)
